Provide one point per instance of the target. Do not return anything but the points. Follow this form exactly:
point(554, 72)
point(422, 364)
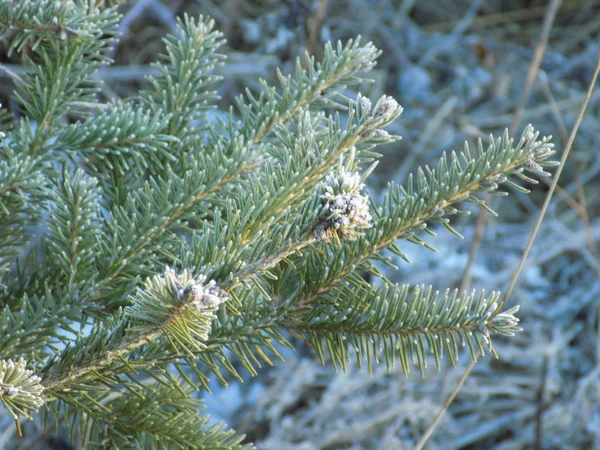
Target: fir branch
point(181, 91)
point(63, 82)
point(137, 232)
point(405, 211)
point(21, 185)
point(272, 110)
point(120, 139)
point(291, 183)
point(307, 151)
point(165, 414)
point(394, 322)
point(74, 227)
point(247, 205)
point(48, 20)
point(179, 308)
point(343, 64)
point(320, 80)
point(32, 331)
point(153, 415)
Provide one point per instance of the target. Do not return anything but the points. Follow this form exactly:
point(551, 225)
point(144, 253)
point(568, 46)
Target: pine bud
point(529, 134)
point(544, 151)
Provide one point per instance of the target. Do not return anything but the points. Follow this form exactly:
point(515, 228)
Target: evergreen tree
point(144, 247)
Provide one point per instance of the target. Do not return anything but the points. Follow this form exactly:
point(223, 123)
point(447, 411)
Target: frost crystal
point(344, 210)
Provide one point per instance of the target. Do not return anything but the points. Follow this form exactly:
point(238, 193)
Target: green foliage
point(181, 90)
point(173, 245)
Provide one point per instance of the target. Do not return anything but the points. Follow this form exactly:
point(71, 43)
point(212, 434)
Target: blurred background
point(459, 68)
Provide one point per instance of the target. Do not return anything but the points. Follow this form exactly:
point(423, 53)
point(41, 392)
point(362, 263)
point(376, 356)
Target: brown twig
point(446, 405)
point(314, 27)
point(534, 66)
point(540, 404)
point(476, 240)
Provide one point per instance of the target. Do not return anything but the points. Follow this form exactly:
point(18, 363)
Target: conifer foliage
point(146, 245)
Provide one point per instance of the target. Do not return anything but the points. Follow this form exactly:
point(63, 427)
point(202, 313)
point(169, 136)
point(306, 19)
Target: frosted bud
point(380, 133)
point(365, 105)
point(544, 150)
point(344, 210)
point(386, 106)
point(20, 385)
point(197, 293)
point(10, 391)
point(531, 164)
point(529, 133)
point(204, 296)
point(489, 184)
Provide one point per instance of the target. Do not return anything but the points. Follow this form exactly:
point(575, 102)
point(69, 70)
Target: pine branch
point(124, 140)
point(343, 63)
point(307, 151)
point(264, 208)
point(137, 233)
point(288, 191)
point(166, 414)
point(321, 80)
